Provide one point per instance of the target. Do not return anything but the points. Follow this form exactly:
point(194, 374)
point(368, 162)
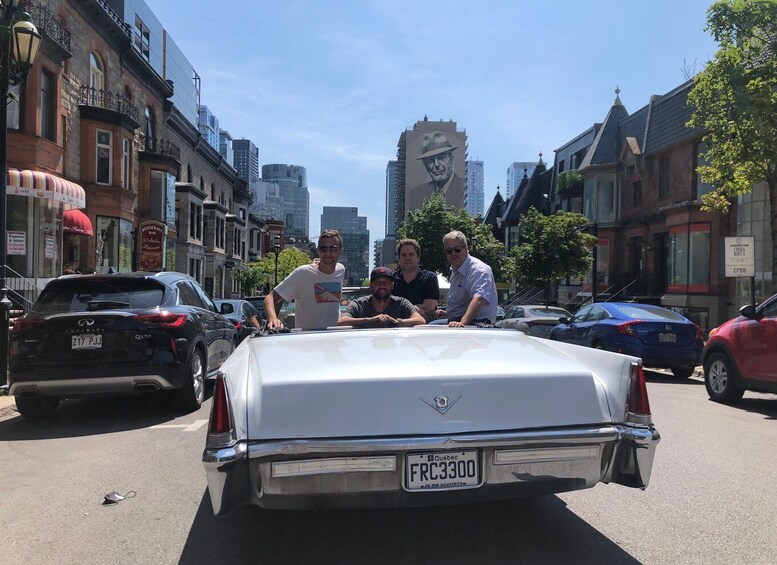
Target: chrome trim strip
point(300, 467)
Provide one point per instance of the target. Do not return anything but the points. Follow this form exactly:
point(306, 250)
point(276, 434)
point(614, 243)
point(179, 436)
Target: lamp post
point(277, 247)
point(19, 42)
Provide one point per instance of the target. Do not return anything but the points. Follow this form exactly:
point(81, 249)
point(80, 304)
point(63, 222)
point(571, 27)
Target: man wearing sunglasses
point(381, 310)
point(315, 288)
point(472, 298)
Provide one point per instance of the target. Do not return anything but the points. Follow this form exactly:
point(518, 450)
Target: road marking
point(193, 427)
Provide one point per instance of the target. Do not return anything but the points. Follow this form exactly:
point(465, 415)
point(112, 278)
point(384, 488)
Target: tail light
point(21, 324)
point(637, 402)
point(699, 333)
point(163, 319)
point(238, 325)
point(627, 328)
point(221, 427)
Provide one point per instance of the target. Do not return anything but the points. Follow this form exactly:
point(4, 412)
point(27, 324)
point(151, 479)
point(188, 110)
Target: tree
point(434, 219)
point(735, 104)
point(554, 247)
point(260, 273)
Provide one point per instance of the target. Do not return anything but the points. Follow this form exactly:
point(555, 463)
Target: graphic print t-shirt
point(316, 295)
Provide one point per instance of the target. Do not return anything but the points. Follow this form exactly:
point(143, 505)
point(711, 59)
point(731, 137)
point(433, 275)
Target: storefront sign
point(49, 247)
point(17, 243)
point(740, 256)
point(153, 243)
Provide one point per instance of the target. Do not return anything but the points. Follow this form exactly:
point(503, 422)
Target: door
point(574, 330)
point(759, 341)
point(206, 319)
point(224, 328)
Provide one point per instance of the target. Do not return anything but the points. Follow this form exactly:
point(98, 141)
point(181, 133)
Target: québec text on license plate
point(442, 470)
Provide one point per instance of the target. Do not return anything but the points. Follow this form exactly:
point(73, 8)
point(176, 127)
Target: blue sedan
point(661, 337)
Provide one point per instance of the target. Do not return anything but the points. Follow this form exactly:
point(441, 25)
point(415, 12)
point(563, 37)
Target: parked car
point(245, 317)
point(741, 354)
point(258, 303)
point(500, 313)
point(533, 319)
point(661, 337)
point(422, 416)
point(116, 334)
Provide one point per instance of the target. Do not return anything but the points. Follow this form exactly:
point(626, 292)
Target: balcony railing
point(110, 101)
point(115, 17)
point(51, 25)
point(160, 147)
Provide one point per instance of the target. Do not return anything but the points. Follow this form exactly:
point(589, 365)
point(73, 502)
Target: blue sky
point(331, 85)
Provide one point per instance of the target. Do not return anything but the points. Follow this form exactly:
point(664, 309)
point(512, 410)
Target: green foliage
point(568, 179)
point(735, 100)
point(253, 276)
point(434, 219)
point(554, 247)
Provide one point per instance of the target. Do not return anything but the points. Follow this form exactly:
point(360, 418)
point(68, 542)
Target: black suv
point(114, 334)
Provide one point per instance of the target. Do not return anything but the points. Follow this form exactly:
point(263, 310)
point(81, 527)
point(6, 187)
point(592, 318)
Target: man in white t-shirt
point(315, 288)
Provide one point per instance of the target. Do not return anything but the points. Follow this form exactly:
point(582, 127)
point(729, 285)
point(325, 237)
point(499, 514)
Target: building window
point(689, 259)
point(14, 107)
point(195, 269)
point(126, 155)
point(48, 106)
point(96, 73)
point(142, 38)
point(113, 245)
point(195, 221)
point(600, 199)
point(663, 177)
point(150, 130)
point(700, 158)
point(561, 166)
point(104, 144)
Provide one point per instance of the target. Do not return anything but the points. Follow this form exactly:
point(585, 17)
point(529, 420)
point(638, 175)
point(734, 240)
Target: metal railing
point(526, 295)
point(160, 146)
point(51, 25)
point(103, 99)
point(22, 292)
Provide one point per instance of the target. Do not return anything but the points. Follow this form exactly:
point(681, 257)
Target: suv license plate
point(87, 341)
point(442, 470)
point(667, 338)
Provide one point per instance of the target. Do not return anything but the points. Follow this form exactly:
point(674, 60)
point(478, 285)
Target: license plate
point(667, 338)
point(87, 341)
point(442, 470)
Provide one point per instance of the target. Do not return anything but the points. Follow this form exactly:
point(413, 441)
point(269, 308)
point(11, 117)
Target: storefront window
point(113, 244)
point(689, 258)
point(48, 244)
point(20, 232)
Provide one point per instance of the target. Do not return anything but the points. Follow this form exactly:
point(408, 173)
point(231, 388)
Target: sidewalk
point(7, 406)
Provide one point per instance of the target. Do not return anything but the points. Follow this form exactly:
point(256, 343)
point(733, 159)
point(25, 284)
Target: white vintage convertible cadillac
point(422, 416)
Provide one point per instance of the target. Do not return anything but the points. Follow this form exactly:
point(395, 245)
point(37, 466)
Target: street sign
point(740, 256)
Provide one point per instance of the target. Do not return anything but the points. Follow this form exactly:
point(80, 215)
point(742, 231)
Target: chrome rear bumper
point(341, 473)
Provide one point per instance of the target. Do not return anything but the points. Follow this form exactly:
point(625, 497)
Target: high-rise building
point(209, 127)
point(246, 160)
point(267, 204)
point(293, 183)
point(356, 241)
point(226, 150)
point(515, 174)
point(385, 252)
point(475, 187)
point(429, 139)
point(391, 198)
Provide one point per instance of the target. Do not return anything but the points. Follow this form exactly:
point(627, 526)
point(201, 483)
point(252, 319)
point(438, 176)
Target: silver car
point(422, 416)
point(533, 319)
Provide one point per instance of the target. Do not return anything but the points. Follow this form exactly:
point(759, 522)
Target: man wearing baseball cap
point(381, 309)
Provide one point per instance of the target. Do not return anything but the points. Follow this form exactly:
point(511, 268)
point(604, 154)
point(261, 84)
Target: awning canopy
point(75, 221)
point(37, 184)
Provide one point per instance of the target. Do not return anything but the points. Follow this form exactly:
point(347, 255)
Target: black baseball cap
point(381, 272)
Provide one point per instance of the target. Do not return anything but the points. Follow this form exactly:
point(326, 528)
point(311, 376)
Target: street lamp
point(277, 247)
point(19, 42)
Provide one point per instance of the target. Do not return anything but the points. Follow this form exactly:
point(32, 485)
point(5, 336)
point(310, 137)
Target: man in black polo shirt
point(414, 283)
point(380, 310)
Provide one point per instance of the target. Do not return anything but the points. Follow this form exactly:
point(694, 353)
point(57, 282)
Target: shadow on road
point(80, 417)
point(534, 530)
point(765, 406)
point(653, 376)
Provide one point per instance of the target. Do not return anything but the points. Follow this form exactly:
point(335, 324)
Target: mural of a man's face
point(440, 167)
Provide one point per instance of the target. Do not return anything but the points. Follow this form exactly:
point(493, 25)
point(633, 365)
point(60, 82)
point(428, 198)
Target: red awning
point(75, 221)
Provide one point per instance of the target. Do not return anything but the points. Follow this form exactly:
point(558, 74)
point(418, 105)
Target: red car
point(741, 354)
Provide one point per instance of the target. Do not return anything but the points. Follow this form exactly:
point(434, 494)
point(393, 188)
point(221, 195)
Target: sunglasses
point(325, 248)
point(453, 250)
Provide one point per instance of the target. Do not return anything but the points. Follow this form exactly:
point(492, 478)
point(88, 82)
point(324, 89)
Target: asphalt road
point(712, 498)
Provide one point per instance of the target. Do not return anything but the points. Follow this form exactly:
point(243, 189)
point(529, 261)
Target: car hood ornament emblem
point(441, 403)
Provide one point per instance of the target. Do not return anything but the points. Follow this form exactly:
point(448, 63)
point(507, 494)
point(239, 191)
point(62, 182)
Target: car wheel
point(192, 394)
point(36, 406)
point(720, 379)
point(597, 345)
point(683, 372)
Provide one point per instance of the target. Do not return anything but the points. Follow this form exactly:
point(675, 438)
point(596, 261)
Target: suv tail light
point(699, 333)
point(163, 319)
point(637, 403)
point(221, 427)
point(20, 324)
point(627, 328)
